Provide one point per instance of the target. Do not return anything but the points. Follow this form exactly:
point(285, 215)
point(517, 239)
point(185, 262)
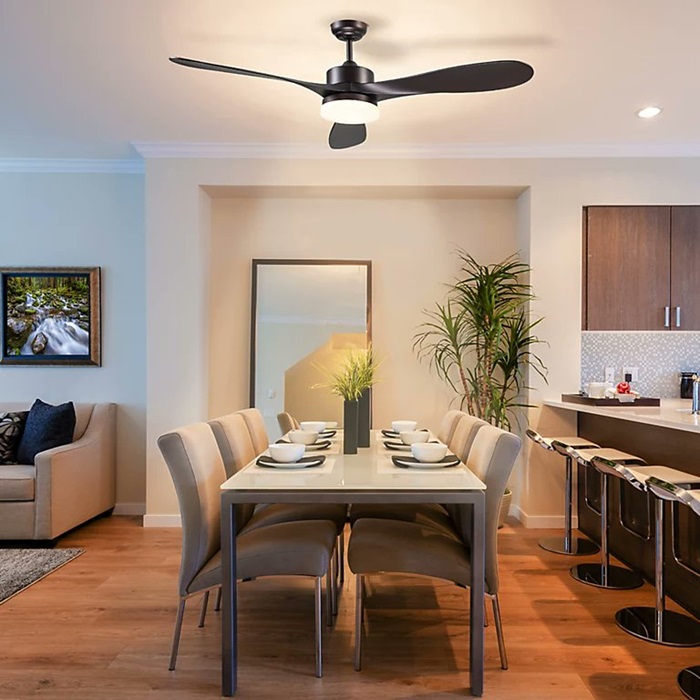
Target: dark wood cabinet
point(639, 268)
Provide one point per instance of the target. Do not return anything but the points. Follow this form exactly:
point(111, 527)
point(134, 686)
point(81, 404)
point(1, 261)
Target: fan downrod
point(349, 29)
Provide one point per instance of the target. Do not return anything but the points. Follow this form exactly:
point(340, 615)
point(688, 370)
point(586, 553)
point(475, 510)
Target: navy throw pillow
point(47, 426)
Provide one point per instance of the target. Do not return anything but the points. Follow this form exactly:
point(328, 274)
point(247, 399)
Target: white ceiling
point(86, 78)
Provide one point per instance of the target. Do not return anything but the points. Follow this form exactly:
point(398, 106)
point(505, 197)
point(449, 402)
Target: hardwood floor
point(101, 627)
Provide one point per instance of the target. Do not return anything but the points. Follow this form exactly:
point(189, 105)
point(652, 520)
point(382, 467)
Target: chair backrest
point(256, 427)
point(491, 458)
point(448, 425)
point(287, 422)
point(236, 447)
point(197, 471)
point(464, 433)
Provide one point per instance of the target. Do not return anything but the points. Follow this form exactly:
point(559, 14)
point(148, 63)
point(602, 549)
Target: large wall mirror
point(306, 314)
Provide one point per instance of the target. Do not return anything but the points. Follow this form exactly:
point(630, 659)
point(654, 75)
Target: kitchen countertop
point(672, 413)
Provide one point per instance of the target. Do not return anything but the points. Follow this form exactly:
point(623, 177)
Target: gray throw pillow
point(11, 428)
point(47, 427)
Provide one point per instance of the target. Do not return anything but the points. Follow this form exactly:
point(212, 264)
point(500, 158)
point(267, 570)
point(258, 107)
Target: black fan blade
point(346, 135)
point(474, 77)
point(318, 88)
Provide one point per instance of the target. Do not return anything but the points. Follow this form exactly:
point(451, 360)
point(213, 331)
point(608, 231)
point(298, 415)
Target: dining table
point(369, 476)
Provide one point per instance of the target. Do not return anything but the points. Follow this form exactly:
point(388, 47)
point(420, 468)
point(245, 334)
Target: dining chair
point(300, 548)
point(287, 422)
point(448, 425)
point(235, 442)
point(433, 514)
point(256, 426)
point(392, 546)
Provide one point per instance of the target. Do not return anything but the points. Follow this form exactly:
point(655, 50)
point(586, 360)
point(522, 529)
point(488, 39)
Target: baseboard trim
point(129, 509)
point(152, 520)
point(541, 522)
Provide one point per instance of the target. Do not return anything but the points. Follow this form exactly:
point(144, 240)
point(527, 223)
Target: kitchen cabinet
point(639, 268)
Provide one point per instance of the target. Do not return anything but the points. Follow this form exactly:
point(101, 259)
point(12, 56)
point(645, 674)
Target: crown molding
point(160, 149)
point(71, 165)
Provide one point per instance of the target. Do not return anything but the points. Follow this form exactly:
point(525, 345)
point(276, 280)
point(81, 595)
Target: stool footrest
point(689, 682)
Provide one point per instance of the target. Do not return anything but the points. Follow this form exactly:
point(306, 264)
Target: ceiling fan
point(350, 95)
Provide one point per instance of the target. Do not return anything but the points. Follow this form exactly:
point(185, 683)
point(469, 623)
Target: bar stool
point(570, 545)
point(688, 678)
point(603, 575)
point(657, 624)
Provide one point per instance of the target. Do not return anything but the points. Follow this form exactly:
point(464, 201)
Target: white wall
point(88, 220)
point(549, 228)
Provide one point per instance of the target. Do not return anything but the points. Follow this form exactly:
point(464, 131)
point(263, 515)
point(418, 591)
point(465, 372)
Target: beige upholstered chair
point(287, 422)
point(448, 425)
point(235, 441)
point(300, 548)
point(378, 546)
point(463, 435)
point(464, 430)
point(67, 485)
point(256, 426)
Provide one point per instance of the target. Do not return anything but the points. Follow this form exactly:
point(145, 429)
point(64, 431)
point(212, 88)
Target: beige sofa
point(66, 485)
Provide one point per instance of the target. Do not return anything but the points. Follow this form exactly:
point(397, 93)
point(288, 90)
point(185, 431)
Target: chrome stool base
point(677, 630)
point(689, 682)
point(615, 577)
point(577, 547)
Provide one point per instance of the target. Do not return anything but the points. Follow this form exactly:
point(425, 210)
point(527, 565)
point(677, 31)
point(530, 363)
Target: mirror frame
point(258, 262)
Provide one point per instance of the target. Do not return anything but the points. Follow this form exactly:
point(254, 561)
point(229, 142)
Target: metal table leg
point(229, 617)
point(476, 594)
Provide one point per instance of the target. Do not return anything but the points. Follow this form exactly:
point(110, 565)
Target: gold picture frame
point(50, 316)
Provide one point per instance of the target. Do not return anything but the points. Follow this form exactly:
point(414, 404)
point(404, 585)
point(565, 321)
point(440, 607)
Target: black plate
point(303, 463)
point(327, 433)
point(394, 434)
point(318, 445)
point(407, 462)
point(394, 445)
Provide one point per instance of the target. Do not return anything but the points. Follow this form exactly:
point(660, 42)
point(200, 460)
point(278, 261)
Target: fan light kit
point(649, 112)
point(350, 93)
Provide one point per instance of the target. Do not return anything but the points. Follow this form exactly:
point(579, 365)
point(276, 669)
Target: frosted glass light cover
point(349, 111)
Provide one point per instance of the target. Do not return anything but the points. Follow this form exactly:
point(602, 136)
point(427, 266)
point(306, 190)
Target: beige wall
point(545, 221)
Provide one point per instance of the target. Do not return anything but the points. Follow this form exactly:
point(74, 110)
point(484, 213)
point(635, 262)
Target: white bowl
point(399, 425)
point(286, 452)
point(428, 451)
point(315, 426)
point(303, 437)
point(409, 437)
point(331, 424)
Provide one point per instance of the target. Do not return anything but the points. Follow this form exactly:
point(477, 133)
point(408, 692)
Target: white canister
point(596, 390)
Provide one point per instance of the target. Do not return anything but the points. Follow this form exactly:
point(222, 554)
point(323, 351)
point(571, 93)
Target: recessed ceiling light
point(649, 112)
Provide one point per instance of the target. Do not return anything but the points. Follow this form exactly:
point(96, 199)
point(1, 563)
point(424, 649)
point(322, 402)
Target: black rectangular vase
point(350, 412)
point(364, 418)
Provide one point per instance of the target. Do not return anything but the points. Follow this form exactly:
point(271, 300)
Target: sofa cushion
point(47, 427)
point(17, 482)
point(11, 428)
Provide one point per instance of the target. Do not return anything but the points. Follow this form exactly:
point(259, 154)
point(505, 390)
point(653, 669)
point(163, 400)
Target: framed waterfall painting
point(50, 315)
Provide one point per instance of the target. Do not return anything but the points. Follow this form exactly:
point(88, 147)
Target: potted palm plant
point(480, 340)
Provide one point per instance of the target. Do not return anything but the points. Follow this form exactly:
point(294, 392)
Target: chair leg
point(359, 601)
point(486, 614)
point(217, 606)
point(176, 634)
point(203, 611)
point(330, 602)
point(499, 632)
point(341, 556)
point(317, 621)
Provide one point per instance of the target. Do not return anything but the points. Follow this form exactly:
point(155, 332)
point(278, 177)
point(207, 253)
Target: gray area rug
point(20, 568)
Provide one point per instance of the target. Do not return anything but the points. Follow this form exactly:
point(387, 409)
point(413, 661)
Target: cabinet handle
point(667, 316)
point(678, 316)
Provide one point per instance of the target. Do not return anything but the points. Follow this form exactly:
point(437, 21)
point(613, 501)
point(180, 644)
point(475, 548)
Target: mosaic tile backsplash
point(659, 355)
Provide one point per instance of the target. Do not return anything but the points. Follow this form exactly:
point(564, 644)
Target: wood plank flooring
point(101, 627)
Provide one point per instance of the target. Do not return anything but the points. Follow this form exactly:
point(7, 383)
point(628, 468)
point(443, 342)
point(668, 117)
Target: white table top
point(672, 413)
point(371, 469)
